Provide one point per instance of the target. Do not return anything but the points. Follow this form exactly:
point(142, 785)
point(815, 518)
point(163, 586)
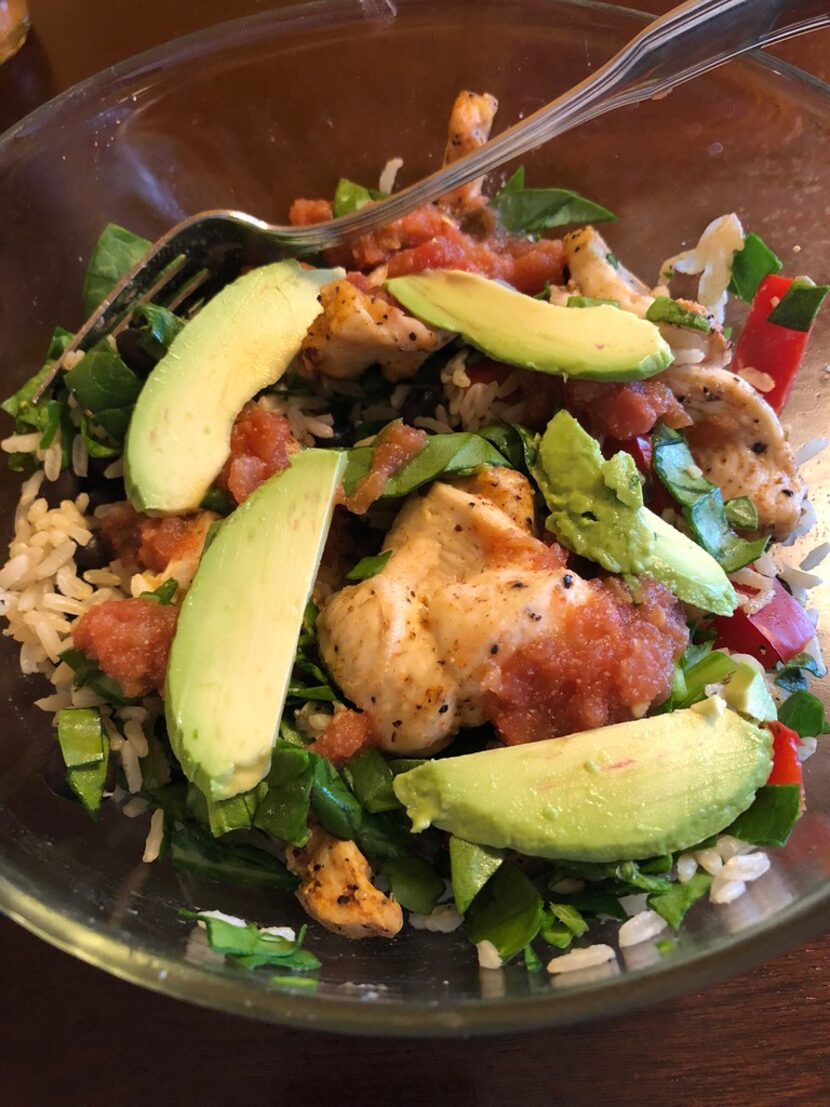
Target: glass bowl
point(250, 115)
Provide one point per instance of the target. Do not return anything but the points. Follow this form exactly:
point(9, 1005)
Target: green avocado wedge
point(621, 793)
point(239, 343)
point(233, 651)
point(595, 343)
point(596, 510)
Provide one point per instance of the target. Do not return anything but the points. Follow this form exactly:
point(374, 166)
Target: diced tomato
point(786, 766)
point(778, 632)
point(347, 734)
point(639, 447)
point(487, 371)
point(767, 347)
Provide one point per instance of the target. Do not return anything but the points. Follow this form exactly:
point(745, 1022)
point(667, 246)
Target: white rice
point(709, 860)
point(634, 904)
point(686, 867)
point(815, 557)
point(442, 920)
point(746, 866)
point(155, 837)
point(389, 173)
point(585, 957)
point(488, 955)
point(641, 928)
point(726, 892)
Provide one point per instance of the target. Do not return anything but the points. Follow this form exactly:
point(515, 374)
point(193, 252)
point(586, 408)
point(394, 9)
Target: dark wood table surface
point(72, 1035)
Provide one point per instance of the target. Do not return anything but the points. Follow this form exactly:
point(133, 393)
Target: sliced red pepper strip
point(786, 767)
point(778, 632)
point(768, 348)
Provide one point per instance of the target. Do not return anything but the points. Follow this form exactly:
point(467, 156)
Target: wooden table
point(74, 1036)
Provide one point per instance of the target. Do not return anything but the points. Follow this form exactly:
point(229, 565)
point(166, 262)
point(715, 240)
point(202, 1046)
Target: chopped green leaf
point(799, 305)
point(116, 252)
point(283, 810)
point(27, 415)
point(713, 668)
point(415, 885)
point(507, 911)
point(350, 197)
point(590, 301)
point(105, 388)
point(791, 676)
point(369, 566)
point(251, 947)
point(236, 813)
point(195, 851)
point(750, 265)
point(673, 903)
point(384, 836)
point(741, 513)
point(164, 594)
point(555, 933)
point(332, 802)
point(665, 310)
point(85, 750)
point(772, 816)
point(159, 327)
point(804, 713)
point(665, 946)
point(471, 866)
point(88, 675)
point(370, 778)
point(444, 455)
point(702, 502)
point(630, 874)
point(570, 917)
point(532, 961)
point(516, 443)
point(531, 210)
point(92, 440)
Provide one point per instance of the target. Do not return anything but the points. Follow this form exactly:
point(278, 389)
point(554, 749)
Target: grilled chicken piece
point(592, 274)
point(470, 122)
point(409, 645)
point(506, 489)
point(337, 891)
point(739, 443)
point(357, 329)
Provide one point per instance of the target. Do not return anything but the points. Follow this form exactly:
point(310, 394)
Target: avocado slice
point(236, 638)
point(746, 691)
point(239, 343)
point(620, 793)
point(596, 343)
point(596, 510)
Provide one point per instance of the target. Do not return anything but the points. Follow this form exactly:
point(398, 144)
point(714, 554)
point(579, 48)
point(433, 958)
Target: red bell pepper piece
point(786, 767)
point(639, 447)
point(778, 632)
point(767, 347)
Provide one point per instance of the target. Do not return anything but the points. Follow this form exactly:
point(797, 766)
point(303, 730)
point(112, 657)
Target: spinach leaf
point(471, 867)
point(791, 676)
point(415, 885)
point(665, 310)
point(630, 874)
point(116, 252)
point(508, 912)
point(741, 513)
point(516, 443)
point(349, 197)
point(562, 923)
point(332, 802)
point(85, 751)
point(369, 567)
point(530, 210)
point(283, 810)
point(370, 778)
point(26, 414)
point(251, 947)
point(799, 305)
point(105, 388)
point(804, 713)
point(196, 852)
point(673, 903)
point(164, 594)
point(158, 326)
point(88, 675)
point(309, 681)
point(444, 455)
point(572, 918)
point(711, 669)
point(236, 813)
point(384, 836)
point(771, 818)
point(750, 265)
point(701, 501)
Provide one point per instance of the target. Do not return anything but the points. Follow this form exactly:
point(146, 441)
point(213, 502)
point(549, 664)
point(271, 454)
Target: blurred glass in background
point(14, 23)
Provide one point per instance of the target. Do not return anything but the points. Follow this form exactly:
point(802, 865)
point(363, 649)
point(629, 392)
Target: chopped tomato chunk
point(623, 410)
point(261, 445)
point(142, 542)
point(786, 766)
point(347, 734)
point(778, 632)
point(130, 640)
point(304, 213)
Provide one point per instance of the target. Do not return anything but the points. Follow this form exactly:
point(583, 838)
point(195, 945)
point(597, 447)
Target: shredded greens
point(531, 210)
point(251, 947)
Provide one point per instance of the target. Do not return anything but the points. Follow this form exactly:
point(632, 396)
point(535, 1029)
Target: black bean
point(66, 487)
point(420, 402)
point(96, 554)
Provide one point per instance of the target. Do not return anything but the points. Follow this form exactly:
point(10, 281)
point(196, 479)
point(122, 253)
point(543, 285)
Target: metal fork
point(195, 259)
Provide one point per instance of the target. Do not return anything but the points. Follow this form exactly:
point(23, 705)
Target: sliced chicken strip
point(506, 489)
point(471, 120)
point(357, 329)
point(595, 272)
point(337, 888)
point(739, 443)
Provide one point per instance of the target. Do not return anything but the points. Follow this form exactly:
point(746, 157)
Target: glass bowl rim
point(245, 996)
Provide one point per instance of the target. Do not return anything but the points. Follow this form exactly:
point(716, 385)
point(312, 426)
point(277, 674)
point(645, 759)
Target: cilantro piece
point(673, 903)
point(665, 310)
point(750, 265)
